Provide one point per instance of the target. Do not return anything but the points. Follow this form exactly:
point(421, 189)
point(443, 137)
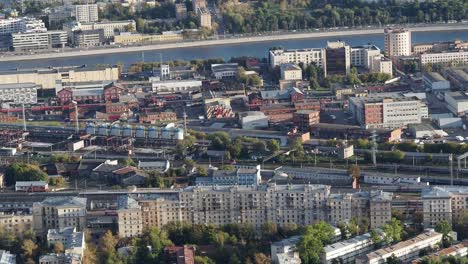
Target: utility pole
point(451, 169)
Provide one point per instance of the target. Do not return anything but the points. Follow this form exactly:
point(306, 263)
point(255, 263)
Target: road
point(223, 41)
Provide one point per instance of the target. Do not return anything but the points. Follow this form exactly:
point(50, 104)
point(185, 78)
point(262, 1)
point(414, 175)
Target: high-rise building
point(86, 13)
point(397, 42)
point(205, 18)
point(338, 58)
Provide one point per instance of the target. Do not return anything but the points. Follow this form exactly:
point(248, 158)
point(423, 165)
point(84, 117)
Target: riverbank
point(203, 43)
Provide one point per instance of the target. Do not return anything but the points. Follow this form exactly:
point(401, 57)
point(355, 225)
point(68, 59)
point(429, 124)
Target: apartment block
point(397, 42)
point(405, 251)
point(86, 13)
point(362, 56)
point(19, 93)
point(204, 17)
point(443, 203)
point(21, 24)
point(296, 56)
point(221, 205)
point(59, 213)
point(457, 250)
point(72, 240)
point(241, 176)
point(387, 110)
point(373, 205)
point(382, 65)
point(16, 222)
point(88, 38)
point(129, 38)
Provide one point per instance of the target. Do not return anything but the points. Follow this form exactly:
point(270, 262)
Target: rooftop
point(434, 77)
point(444, 191)
point(347, 243)
point(68, 236)
point(290, 67)
point(458, 96)
point(64, 201)
point(30, 183)
point(224, 67)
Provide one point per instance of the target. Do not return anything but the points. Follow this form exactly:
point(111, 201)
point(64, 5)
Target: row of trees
point(287, 15)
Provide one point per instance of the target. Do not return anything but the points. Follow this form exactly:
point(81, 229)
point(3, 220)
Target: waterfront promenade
point(221, 41)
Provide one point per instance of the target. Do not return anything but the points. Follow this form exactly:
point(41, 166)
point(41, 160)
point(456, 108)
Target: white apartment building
point(405, 251)
point(86, 13)
point(290, 71)
point(174, 86)
point(221, 205)
point(397, 42)
point(109, 27)
point(362, 56)
point(39, 40)
point(457, 56)
point(59, 213)
point(443, 203)
point(382, 65)
point(21, 24)
point(19, 93)
point(347, 250)
point(296, 56)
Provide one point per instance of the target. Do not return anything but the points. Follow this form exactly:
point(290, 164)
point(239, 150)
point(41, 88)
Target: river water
point(256, 49)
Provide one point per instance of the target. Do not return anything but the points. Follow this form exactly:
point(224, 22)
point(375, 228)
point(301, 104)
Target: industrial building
point(433, 81)
point(18, 93)
point(457, 103)
point(139, 132)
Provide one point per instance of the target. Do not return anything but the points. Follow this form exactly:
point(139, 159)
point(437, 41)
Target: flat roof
point(434, 77)
point(458, 96)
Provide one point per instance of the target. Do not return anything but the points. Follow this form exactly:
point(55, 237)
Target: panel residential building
point(86, 13)
point(397, 42)
point(443, 203)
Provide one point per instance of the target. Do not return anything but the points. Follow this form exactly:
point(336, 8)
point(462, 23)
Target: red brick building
point(85, 96)
point(112, 93)
point(303, 119)
point(373, 113)
point(4, 118)
point(153, 117)
point(116, 107)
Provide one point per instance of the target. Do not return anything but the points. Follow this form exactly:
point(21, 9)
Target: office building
point(181, 11)
point(397, 42)
point(346, 251)
point(88, 38)
point(224, 70)
point(110, 27)
point(338, 58)
point(362, 56)
point(373, 205)
point(387, 110)
point(129, 38)
point(21, 24)
point(453, 57)
point(457, 102)
point(382, 65)
point(72, 240)
point(290, 72)
point(47, 78)
point(439, 46)
point(38, 40)
point(86, 13)
point(443, 203)
point(296, 56)
point(221, 205)
point(405, 251)
point(303, 119)
point(174, 86)
point(18, 93)
point(58, 213)
point(433, 81)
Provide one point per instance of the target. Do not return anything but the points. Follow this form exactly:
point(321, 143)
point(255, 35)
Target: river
point(256, 49)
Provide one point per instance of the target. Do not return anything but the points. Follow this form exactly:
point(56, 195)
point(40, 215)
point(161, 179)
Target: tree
point(156, 240)
point(311, 244)
point(376, 239)
point(393, 260)
point(127, 162)
point(355, 172)
point(24, 172)
point(29, 249)
point(273, 146)
point(445, 228)
point(260, 258)
point(106, 248)
point(59, 247)
point(269, 231)
point(203, 260)
point(392, 231)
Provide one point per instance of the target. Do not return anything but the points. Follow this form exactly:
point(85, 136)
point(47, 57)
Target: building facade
point(88, 38)
point(19, 93)
point(38, 40)
point(86, 13)
point(443, 203)
point(456, 57)
point(397, 42)
point(296, 56)
point(290, 72)
point(338, 58)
